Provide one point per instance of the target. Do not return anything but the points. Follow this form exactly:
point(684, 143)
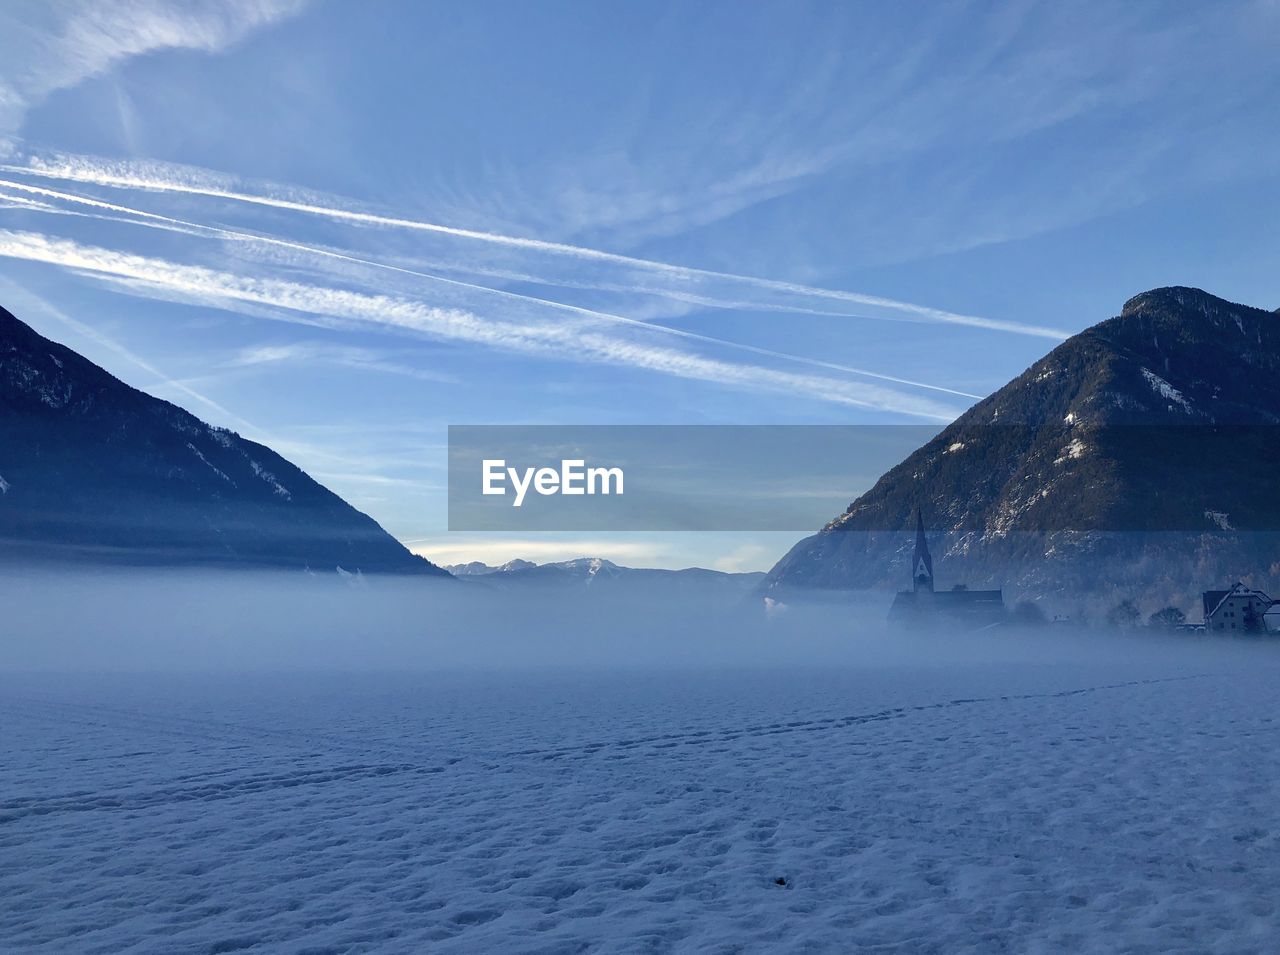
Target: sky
point(339, 228)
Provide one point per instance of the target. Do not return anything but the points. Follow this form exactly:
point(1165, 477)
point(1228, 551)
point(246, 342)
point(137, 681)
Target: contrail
point(189, 282)
point(585, 312)
point(80, 170)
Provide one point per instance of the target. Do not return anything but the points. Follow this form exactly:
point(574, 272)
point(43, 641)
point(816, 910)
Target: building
point(1271, 619)
point(926, 606)
point(1239, 609)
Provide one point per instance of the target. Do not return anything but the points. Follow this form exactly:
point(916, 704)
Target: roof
point(1212, 599)
point(921, 555)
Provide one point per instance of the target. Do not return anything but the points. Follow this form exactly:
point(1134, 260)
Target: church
point(925, 607)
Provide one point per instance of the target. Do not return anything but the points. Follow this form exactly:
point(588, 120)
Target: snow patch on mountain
point(1073, 451)
point(1165, 390)
point(215, 470)
point(270, 478)
point(478, 568)
point(474, 568)
point(221, 435)
point(1220, 519)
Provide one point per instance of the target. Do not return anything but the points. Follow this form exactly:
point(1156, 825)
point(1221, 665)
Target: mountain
point(598, 573)
point(477, 568)
point(94, 470)
point(1136, 460)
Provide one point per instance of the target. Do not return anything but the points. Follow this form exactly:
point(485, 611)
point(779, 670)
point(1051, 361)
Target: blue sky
point(339, 228)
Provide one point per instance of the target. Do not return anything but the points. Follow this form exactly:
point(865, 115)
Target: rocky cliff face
point(94, 470)
point(1136, 459)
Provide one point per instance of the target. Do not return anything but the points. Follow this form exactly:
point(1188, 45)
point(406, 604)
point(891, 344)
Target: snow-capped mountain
point(478, 568)
point(1137, 459)
point(598, 572)
point(94, 470)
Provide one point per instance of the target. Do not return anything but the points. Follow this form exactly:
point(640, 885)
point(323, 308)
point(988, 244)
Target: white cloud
point(45, 47)
point(334, 307)
point(122, 213)
point(745, 559)
point(683, 282)
point(360, 359)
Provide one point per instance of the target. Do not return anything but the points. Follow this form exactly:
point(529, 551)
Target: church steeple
point(921, 563)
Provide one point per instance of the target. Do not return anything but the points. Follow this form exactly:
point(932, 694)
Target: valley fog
point(175, 620)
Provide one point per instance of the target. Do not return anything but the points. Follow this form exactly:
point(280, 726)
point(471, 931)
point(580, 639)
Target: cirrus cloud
point(47, 47)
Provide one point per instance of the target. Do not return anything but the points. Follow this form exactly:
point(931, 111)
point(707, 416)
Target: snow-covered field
point(1123, 802)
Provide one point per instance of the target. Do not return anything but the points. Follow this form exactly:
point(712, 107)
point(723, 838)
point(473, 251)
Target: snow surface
point(1119, 804)
point(1221, 519)
point(221, 435)
point(196, 451)
point(1074, 450)
point(1166, 390)
point(277, 488)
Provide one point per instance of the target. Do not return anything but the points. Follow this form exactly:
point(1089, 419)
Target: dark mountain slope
point(92, 469)
point(1136, 458)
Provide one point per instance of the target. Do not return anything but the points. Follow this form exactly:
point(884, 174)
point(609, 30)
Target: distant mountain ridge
point(94, 470)
point(478, 568)
point(597, 572)
point(1136, 458)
